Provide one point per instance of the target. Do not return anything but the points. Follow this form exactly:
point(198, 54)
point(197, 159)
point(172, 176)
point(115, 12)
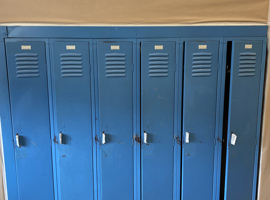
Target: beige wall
point(133, 11)
point(264, 177)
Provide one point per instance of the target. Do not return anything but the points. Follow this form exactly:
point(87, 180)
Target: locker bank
point(131, 113)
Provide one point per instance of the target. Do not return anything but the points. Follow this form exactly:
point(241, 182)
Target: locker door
point(199, 119)
point(157, 118)
point(72, 108)
point(115, 117)
point(243, 116)
point(30, 118)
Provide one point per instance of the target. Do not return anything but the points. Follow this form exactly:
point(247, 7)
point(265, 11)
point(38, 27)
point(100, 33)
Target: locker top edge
point(3, 32)
point(121, 32)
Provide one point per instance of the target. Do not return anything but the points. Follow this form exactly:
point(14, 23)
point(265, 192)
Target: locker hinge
point(261, 68)
point(218, 67)
point(132, 67)
point(214, 141)
point(96, 139)
point(177, 140)
point(136, 138)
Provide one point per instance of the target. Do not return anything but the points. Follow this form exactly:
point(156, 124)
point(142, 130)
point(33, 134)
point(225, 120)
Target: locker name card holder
point(25, 47)
point(115, 47)
point(70, 47)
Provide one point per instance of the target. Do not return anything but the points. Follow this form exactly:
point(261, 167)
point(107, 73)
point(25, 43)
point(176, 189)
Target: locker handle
point(103, 138)
point(187, 138)
point(145, 137)
point(18, 140)
point(233, 139)
point(60, 138)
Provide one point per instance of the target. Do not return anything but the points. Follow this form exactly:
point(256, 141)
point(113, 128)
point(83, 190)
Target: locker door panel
point(243, 116)
point(157, 118)
point(115, 85)
point(199, 119)
point(30, 117)
point(72, 107)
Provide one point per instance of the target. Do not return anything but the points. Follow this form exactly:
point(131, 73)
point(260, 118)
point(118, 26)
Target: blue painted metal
point(158, 63)
point(199, 118)
point(137, 31)
point(108, 184)
point(115, 113)
point(30, 119)
point(3, 32)
point(6, 129)
point(72, 105)
point(247, 70)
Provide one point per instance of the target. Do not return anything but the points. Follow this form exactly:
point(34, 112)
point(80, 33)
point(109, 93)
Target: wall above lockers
point(133, 12)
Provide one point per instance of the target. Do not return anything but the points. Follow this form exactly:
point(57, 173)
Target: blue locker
point(72, 111)
point(243, 120)
point(30, 118)
point(115, 99)
point(157, 119)
point(199, 119)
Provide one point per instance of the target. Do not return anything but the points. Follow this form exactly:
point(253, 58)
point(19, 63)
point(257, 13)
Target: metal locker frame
point(38, 33)
point(135, 116)
point(11, 143)
point(53, 110)
point(259, 115)
point(219, 114)
point(177, 109)
point(6, 126)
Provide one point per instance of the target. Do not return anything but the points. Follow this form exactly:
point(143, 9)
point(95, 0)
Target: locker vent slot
point(27, 65)
point(158, 64)
point(247, 64)
point(201, 64)
point(71, 65)
point(115, 65)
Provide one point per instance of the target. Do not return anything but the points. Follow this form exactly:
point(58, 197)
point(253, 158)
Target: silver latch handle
point(18, 140)
point(233, 139)
point(103, 141)
point(145, 137)
point(187, 138)
point(60, 138)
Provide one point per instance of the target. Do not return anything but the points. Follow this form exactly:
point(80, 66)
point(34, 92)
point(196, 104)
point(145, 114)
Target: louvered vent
point(27, 65)
point(115, 65)
point(201, 64)
point(247, 64)
point(158, 64)
point(71, 65)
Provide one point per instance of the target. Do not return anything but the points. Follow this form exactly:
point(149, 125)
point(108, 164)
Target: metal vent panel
point(247, 64)
point(71, 65)
point(201, 64)
point(115, 65)
point(158, 64)
point(27, 65)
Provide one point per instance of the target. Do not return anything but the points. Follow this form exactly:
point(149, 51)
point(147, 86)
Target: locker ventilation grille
point(27, 65)
point(115, 65)
point(71, 65)
point(158, 64)
point(247, 64)
point(201, 64)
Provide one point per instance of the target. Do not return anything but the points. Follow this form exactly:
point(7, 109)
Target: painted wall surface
point(133, 11)
point(264, 173)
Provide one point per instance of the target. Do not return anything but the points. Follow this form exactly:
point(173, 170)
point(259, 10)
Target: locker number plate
point(26, 47)
point(115, 47)
point(70, 47)
point(248, 46)
point(202, 46)
point(158, 47)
